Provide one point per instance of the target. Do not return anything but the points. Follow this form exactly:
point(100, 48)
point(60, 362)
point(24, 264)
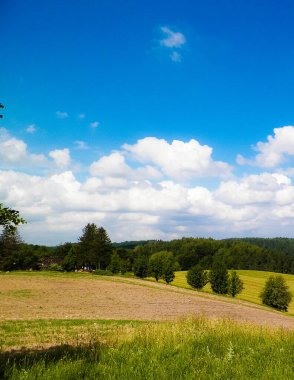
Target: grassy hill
point(253, 284)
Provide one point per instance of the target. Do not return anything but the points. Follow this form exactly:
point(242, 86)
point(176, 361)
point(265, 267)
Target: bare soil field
point(25, 297)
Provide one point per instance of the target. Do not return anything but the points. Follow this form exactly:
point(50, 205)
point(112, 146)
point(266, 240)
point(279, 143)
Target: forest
point(94, 250)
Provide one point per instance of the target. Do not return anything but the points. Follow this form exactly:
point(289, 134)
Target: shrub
point(140, 267)
point(276, 293)
point(219, 278)
point(235, 284)
point(197, 277)
point(103, 272)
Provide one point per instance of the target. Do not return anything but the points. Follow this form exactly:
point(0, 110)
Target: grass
point(187, 349)
point(253, 283)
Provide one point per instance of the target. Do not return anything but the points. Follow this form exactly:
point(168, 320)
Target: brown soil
point(91, 297)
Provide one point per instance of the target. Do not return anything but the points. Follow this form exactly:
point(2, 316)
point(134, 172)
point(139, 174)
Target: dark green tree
point(197, 277)
point(161, 263)
point(115, 263)
point(140, 266)
point(10, 218)
point(276, 293)
point(95, 248)
point(219, 278)
point(10, 247)
point(236, 285)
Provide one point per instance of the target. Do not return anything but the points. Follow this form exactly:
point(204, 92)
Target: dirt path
point(41, 297)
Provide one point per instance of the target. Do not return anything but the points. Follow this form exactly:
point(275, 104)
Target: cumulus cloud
point(144, 190)
point(81, 116)
point(62, 115)
point(171, 38)
point(275, 151)
point(178, 160)
point(14, 153)
point(61, 157)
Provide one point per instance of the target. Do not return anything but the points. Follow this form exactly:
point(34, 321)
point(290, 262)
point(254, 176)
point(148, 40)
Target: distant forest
point(271, 254)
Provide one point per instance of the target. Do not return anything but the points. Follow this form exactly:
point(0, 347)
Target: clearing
point(32, 296)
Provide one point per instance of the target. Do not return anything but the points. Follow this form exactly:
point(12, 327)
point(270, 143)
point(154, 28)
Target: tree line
point(94, 250)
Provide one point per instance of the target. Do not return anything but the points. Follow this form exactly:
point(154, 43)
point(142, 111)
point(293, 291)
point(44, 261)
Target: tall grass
point(187, 349)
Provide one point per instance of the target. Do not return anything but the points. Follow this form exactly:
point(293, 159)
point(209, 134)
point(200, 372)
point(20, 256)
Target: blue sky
point(148, 102)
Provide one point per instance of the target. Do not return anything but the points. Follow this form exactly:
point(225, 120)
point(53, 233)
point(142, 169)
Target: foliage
point(10, 218)
point(140, 266)
point(219, 278)
point(197, 277)
point(276, 293)
point(236, 285)
point(115, 263)
point(10, 243)
point(162, 265)
point(102, 272)
point(94, 248)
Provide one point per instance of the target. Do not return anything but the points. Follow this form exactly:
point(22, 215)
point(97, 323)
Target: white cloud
point(172, 39)
point(31, 128)
point(82, 116)
point(145, 190)
point(178, 160)
point(275, 151)
point(14, 153)
point(62, 115)
point(94, 124)
point(61, 157)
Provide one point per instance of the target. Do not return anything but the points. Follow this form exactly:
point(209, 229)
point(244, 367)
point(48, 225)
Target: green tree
point(10, 246)
point(140, 266)
point(115, 263)
point(94, 247)
point(197, 277)
point(235, 284)
point(10, 218)
point(219, 278)
point(276, 293)
point(161, 265)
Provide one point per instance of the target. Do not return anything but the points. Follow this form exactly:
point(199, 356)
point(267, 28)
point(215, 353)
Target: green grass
point(253, 283)
point(187, 349)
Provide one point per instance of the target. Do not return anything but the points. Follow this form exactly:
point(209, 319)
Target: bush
point(141, 266)
point(219, 278)
point(235, 284)
point(103, 272)
point(197, 277)
point(276, 293)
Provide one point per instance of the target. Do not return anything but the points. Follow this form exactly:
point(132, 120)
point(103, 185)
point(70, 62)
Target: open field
point(80, 326)
point(187, 349)
point(253, 283)
point(30, 296)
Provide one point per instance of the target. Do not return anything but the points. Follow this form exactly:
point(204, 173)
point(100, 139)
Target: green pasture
point(188, 349)
point(253, 283)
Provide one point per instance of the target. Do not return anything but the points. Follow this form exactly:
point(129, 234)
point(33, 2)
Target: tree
point(10, 218)
point(162, 265)
point(94, 247)
point(140, 266)
point(197, 277)
point(276, 293)
point(115, 263)
point(10, 245)
point(235, 284)
point(219, 278)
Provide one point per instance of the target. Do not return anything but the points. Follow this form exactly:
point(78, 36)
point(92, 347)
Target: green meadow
point(186, 349)
point(253, 283)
